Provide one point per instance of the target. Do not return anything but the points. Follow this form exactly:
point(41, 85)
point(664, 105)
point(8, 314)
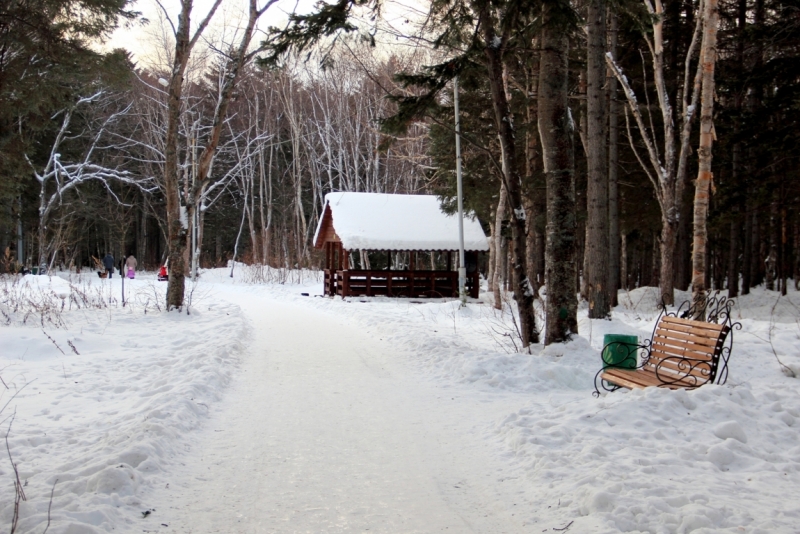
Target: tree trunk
point(499, 248)
point(504, 122)
point(683, 248)
point(596, 250)
point(613, 168)
point(708, 56)
point(771, 261)
point(556, 130)
point(530, 244)
point(758, 252)
point(796, 262)
point(736, 162)
point(532, 159)
point(748, 250)
point(492, 253)
point(783, 269)
point(251, 221)
point(733, 258)
point(176, 227)
point(176, 230)
point(201, 218)
point(655, 267)
point(623, 264)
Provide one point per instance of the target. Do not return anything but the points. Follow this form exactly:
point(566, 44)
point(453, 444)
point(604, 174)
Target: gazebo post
point(433, 272)
point(369, 276)
point(345, 277)
point(389, 274)
point(328, 273)
point(412, 265)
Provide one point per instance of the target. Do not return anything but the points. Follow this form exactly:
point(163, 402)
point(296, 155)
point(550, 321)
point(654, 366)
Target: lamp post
point(462, 268)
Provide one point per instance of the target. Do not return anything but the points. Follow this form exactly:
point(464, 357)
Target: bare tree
point(666, 172)
point(58, 177)
point(236, 60)
point(177, 220)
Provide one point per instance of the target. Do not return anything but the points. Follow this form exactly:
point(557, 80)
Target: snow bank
point(46, 284)
point(104, 399)
point(717, 458)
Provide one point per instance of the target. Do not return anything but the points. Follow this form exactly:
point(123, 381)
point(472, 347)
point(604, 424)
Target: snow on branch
point(633, 105)
point(58, 176)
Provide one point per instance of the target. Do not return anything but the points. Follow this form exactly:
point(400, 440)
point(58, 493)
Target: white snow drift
point(103, 396)
point(113, 421)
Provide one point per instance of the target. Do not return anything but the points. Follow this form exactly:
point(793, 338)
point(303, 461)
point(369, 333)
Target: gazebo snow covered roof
point(378, 221)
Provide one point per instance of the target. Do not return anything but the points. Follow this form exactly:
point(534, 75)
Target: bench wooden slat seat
point(682, 353)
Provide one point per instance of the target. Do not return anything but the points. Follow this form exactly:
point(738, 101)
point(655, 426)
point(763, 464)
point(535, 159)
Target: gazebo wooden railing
point(443, 284)
point(397, 230)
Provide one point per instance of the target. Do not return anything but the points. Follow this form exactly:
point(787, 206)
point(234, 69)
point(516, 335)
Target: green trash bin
point(622, 353)
point(34, 270)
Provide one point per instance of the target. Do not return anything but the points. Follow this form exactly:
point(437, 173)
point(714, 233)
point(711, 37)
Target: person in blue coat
point(108, 263)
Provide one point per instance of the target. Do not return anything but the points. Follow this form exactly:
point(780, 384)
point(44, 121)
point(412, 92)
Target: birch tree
point(708, 58)
point(666, 169)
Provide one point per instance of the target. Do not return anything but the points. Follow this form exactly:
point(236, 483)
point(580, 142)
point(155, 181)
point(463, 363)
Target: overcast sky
point(145, 40)
point(142, 39)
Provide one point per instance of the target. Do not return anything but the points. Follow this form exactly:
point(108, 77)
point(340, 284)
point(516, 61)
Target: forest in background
point(84, 138)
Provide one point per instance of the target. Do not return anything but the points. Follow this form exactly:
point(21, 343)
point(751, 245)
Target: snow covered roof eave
point(325, 211)
point(378, 221)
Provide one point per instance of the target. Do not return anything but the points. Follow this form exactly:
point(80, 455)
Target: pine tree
point(47, 62)
point(556, 129)
point(596, 271)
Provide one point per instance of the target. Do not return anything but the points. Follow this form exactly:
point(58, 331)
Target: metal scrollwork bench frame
point(682, 353)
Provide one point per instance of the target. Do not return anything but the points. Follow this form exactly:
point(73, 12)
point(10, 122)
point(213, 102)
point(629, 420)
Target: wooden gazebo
point(398, 226)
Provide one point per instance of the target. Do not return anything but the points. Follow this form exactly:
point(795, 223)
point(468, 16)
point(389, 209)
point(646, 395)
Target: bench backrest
point(686, 352)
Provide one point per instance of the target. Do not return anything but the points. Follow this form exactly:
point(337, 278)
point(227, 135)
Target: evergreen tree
point(46, 62)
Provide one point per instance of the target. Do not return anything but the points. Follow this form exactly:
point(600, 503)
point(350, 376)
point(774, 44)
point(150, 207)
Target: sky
point(147, 40)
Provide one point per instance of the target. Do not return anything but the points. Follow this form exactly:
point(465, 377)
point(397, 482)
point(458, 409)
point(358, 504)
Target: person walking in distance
point(108, 263)
point(130, 266)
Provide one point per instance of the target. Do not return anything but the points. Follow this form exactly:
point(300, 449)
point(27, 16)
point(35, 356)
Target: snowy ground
point(269, 411)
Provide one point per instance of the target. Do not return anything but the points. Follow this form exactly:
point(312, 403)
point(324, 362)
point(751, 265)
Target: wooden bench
point(682, 353)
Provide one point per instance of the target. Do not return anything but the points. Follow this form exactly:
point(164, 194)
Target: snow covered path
point(326, 430)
